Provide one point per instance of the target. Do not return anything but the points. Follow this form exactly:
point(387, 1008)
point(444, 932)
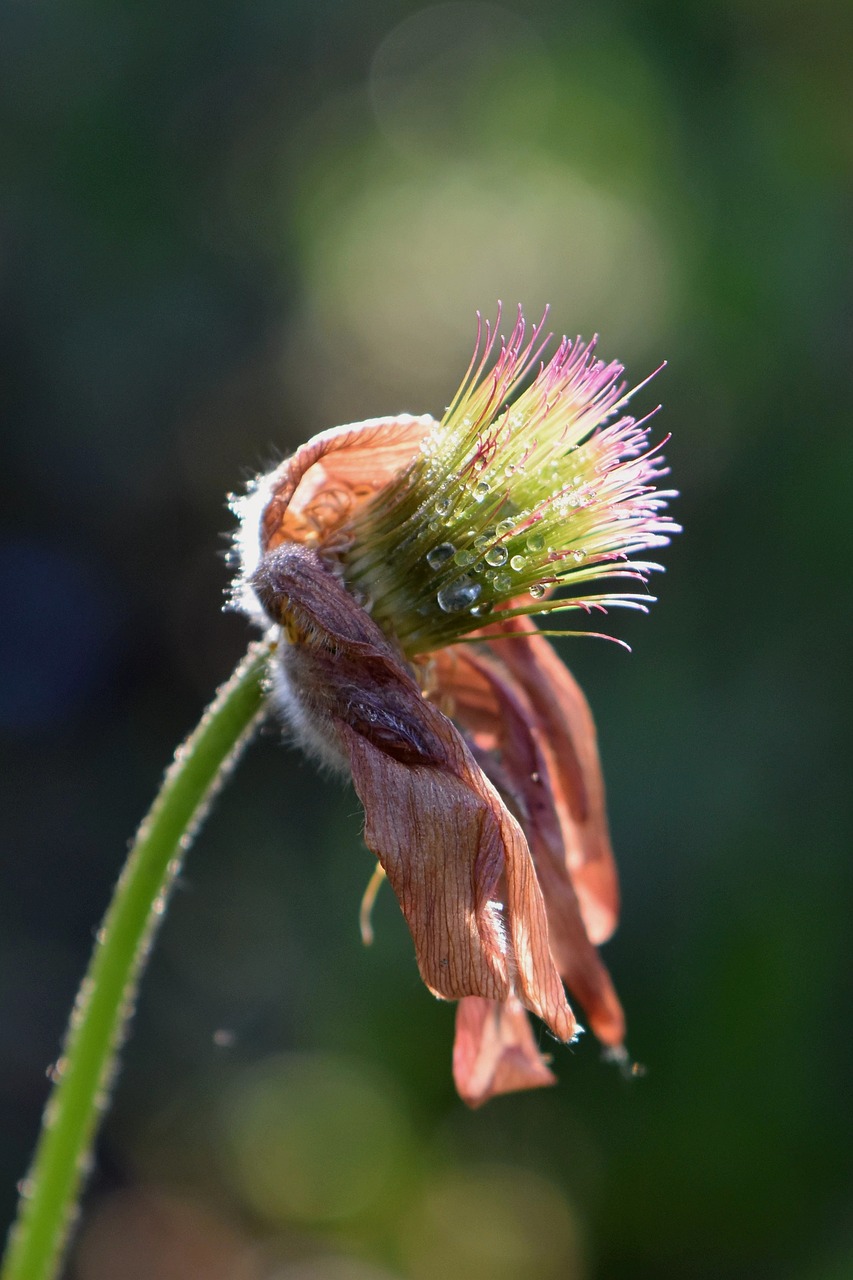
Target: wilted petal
point(495, 708)
point(566, 731)
point(330, 477)
point(456, 859)
point(494, 1051)
point(314, 494)
point(418, 820)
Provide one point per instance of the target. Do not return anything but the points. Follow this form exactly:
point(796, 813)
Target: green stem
point(84, 1074)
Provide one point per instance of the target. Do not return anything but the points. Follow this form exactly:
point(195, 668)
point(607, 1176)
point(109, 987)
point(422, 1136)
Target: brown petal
point(333, 474)
point(446, 842)
point(426, 828)
point(494, 1051)
point(437, 825)
point(561, 713)
point(500, 716)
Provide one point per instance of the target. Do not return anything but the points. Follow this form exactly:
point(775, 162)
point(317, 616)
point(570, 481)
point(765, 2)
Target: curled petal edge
point(313, 493)
point(354, 461)
point(494, 1051)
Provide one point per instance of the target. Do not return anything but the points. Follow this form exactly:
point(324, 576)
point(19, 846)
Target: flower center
point(513, 499)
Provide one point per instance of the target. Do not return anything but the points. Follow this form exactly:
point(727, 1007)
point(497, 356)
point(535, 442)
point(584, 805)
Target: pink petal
point(494, 1051)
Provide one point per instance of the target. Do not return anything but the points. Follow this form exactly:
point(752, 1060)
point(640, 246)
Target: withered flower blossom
point(401, 557)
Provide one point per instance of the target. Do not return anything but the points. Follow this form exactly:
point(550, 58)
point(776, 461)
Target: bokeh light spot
point(395, 274)
point(455, 78)
point(312, 1138)
point(152, 1234)
point(493, 1222)
point(331, 1268)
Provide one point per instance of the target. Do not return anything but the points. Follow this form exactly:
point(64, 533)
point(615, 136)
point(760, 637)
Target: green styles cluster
point(517, 503)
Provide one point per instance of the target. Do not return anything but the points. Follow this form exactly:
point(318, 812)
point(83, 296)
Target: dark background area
point(226, 226)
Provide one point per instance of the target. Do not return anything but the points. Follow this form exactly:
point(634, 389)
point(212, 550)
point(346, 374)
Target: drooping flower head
point(400, 558)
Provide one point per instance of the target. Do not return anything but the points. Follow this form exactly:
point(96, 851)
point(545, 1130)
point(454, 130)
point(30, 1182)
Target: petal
point(449, 847)
point(561, 714)
point(494, 1051)
point(426, 828)
point(437, 825)
point(502, 720)
point(325, 482)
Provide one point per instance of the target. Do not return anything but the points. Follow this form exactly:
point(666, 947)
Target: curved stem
point(84, 1074)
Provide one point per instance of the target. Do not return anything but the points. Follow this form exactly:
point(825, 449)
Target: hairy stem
point(85, 1072)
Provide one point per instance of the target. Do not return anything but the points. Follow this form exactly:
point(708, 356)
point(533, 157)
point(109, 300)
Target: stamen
point(365, 914)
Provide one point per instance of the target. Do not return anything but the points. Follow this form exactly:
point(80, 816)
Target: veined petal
point(494, 1051)
point(488, 700)
point(457, 860)
point(566, 732)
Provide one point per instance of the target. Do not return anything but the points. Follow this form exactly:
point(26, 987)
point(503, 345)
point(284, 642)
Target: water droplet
point(481, 490)
point(464, 557)
point(509, 469)
point(502, 582)
point(443, 505)
point(496, 556)
point(537, 591)
point(517, 562)
point(484, 540)
point(535, 542)
point(505, 526)
point(458, 595)
point(578, 555)
point(440, 555)
point(485, 607)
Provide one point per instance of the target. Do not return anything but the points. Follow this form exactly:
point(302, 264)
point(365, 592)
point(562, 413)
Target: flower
point(401, 558)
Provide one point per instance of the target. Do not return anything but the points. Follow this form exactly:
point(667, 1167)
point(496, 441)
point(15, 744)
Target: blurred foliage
point(228, 225)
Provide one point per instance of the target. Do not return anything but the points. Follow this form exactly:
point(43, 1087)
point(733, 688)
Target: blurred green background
point(228, 225)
